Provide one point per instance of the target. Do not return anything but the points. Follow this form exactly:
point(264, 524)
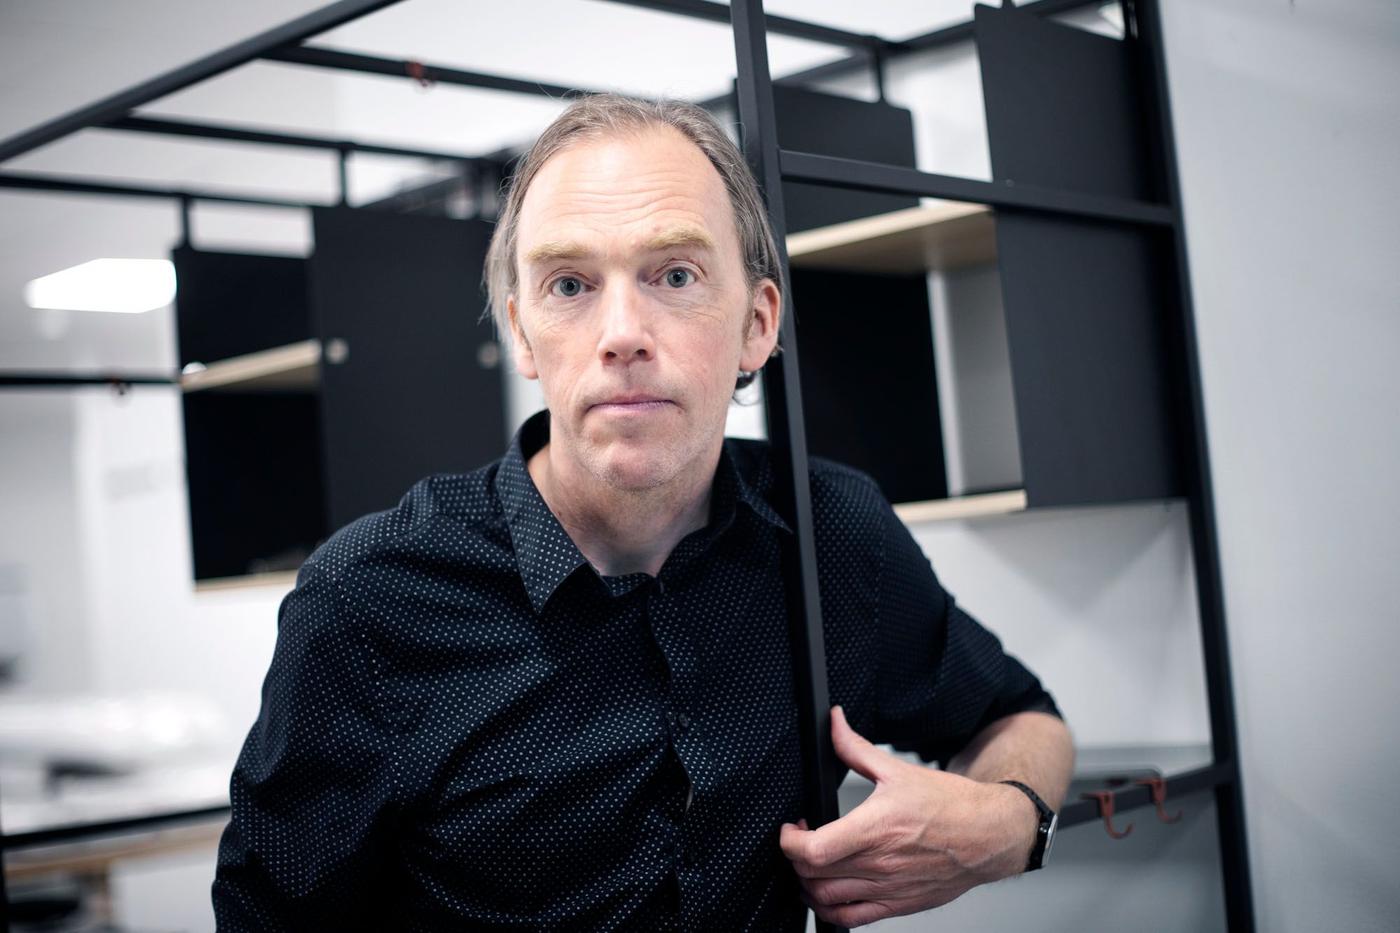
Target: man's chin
point(634, 467)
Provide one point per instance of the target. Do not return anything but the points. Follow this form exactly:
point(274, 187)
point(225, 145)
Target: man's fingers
point(827, 844)
point(827, 891)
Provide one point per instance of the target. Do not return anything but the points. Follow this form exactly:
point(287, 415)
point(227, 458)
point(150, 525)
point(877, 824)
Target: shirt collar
point(545, 554)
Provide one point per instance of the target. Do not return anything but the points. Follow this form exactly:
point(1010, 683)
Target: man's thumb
point(854, 749)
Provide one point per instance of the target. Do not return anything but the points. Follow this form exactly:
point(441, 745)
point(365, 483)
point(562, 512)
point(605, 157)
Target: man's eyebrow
point(672, 238)
point(555, 250)
point(679, 237)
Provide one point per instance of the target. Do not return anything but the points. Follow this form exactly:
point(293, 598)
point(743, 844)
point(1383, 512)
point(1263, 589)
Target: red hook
point(418, 73)
point(1105, 799)
point(1158, 786)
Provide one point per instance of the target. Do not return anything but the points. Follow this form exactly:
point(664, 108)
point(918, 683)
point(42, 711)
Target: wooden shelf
point(280, 579)
point(937, 510)
point(939, 236)
point(296, 367)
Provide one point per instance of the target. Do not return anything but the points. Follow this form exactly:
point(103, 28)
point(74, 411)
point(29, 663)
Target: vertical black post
point(787, 432)
point(343, 174)
point(186, 221)
point(1146, 19)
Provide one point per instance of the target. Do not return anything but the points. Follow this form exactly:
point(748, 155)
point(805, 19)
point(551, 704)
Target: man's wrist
point(1021, 820)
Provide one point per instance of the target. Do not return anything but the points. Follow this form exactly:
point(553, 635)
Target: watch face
point(1049, 840)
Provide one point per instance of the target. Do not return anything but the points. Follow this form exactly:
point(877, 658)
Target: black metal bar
point(238, 134)
point(321, 57)
point(186, 222)
point(1209, 778)
point(26, 181)
point(342, 176)
point(875, 176)
point(39, 380)
point(937, 38)
point(79, 831)
point(123, 102)
point(1205, 546)
point(787, 431)
point(779, 25)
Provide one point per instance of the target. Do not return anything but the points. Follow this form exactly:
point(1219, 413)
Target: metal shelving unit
point(926, 231)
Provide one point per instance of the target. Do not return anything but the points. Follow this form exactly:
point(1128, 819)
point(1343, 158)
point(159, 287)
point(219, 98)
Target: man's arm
point(1033, 748)
point(312, 791)
point(946, 689)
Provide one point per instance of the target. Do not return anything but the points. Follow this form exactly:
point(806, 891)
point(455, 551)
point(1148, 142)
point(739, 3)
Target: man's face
point(633, 308)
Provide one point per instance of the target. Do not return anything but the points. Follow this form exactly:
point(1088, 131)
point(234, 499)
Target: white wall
point(1288, 130)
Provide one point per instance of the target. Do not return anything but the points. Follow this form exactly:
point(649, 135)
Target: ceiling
point(58, 55)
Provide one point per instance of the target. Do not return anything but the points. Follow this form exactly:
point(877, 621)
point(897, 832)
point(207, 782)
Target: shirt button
point(680, 721)
point(690, 858)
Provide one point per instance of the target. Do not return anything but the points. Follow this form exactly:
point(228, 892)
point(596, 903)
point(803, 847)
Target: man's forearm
point(1033, 748)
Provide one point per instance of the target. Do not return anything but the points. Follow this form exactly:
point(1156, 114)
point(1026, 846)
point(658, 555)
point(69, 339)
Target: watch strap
point(1042, 835)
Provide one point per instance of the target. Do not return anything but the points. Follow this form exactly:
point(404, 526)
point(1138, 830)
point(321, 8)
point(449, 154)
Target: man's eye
point(566, 287)
point(679, 278)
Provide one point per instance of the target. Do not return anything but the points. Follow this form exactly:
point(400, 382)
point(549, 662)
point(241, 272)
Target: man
point(556, 693)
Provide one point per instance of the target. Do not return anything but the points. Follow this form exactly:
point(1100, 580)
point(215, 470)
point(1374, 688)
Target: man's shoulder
point(838, 491)
point(466, 501)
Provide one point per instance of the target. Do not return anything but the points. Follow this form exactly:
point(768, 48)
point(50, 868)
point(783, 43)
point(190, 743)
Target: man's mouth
point(631, 403)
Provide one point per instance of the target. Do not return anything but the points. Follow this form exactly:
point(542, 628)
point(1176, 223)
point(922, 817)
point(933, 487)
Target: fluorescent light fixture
point(125, 285)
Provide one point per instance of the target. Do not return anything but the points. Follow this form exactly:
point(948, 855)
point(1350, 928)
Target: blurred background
point(149, 530)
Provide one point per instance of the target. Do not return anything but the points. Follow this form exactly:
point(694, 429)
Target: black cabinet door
point(869, 390)
point(410, 380)
point(1095, 360)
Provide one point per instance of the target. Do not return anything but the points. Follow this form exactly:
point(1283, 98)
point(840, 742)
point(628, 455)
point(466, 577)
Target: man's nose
point(626, 336)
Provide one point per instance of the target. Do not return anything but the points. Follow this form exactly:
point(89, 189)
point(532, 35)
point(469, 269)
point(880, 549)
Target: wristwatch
point(1045, 833)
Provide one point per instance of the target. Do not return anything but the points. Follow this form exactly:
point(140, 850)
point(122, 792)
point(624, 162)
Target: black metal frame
point(772, 165)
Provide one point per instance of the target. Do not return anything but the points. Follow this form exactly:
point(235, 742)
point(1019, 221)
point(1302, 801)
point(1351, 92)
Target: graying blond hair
point(598, 116)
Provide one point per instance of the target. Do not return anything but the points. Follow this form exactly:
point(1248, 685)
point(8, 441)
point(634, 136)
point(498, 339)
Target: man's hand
point(921, 839)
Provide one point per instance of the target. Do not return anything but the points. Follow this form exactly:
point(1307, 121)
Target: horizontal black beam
point(891, 179)
point(78, 831)
point(188, 128)
point(779, 25)
point(72, 380)
point(1139, 795)
point(321, 57)
point(123, 102)
point(937, 38)
point(26, 181)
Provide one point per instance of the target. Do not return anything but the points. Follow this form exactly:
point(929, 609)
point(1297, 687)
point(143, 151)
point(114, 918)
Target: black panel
point(1091, 359)
point(1064, 106)
point(253, 462)
point(411, 398)
point(869, 392)
point(866, 346)
point(229, 304)
point(809, 121)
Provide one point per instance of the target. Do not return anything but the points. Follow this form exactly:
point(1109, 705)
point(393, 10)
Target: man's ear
point(520, 347)
point(761, 332)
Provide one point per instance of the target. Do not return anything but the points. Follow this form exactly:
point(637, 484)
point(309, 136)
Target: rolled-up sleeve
point(943, 676)
point(311, 830)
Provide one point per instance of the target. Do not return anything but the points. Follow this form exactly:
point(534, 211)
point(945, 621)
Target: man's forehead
point(655, 188)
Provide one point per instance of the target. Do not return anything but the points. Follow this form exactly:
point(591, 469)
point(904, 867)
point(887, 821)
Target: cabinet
point(332, 383)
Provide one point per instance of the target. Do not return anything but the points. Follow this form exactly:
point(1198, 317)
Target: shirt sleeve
point(943, 676)
point(311, 793)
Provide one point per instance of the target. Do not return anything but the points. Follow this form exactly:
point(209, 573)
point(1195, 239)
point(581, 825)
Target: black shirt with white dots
point(466, 727)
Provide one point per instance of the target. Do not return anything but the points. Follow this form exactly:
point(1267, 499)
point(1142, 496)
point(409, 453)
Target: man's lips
point(632, 402)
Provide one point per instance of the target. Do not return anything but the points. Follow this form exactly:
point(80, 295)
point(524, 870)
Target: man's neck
point(622, 531)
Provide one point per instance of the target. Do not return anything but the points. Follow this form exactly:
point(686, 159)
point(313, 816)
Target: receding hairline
point(675, 236)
